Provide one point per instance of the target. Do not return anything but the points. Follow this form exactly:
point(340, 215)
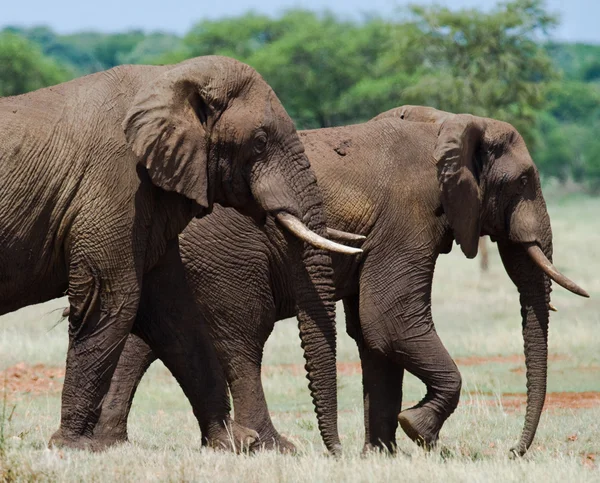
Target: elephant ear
point(456, 154)
point(168, 127)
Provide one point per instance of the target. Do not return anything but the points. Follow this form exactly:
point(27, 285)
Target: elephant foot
point(104, 439)
point(231, 436)
point(422, 425)
point(275, 443)
point(62, 439)
point(380, 448)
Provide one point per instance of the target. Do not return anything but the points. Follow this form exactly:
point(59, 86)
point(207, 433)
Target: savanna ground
point(477, 316)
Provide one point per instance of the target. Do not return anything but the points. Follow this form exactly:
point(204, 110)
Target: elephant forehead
point(276, 116)
point(243, 117)
point(250, 114)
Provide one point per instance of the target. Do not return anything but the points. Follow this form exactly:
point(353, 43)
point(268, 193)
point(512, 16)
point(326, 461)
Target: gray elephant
point(412, 188)
point(99, 176)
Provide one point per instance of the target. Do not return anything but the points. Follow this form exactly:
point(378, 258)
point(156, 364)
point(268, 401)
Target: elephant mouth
point(295, 226)
point(540, 259)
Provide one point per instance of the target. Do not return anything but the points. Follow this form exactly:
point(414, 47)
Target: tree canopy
point(24, 67)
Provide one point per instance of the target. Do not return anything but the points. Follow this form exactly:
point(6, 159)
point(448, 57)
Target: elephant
point(100, 175)
point(412, 181)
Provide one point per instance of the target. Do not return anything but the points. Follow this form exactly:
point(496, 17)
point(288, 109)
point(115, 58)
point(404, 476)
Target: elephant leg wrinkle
point(382, 387)
point(423, 422)
point(399, 325)
point(135, 359)
point(100, 319)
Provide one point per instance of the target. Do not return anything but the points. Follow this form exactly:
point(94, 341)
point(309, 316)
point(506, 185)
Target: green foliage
point(149, 48)
point(88, 52)
point(485, 63)
point(24, 67)
point(314, 64)
point(328, 71)
point(310, 60)
point(575, 60)
point(569, 129)
point(235, 37)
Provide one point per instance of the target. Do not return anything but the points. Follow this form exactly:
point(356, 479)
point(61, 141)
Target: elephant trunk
point(293, 197)
point(315, 298)
point(534, 290)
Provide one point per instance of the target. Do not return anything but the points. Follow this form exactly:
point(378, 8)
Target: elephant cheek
point(524, 224)
point(273, 193)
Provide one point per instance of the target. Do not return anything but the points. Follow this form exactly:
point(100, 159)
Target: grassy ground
point(477, 315)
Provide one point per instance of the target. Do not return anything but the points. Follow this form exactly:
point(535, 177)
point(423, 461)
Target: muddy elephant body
point(411, 188)
point(99, 176)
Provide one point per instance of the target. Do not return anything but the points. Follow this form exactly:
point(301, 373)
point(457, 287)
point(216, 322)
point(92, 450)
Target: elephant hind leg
point(244, 376)
point(251, 410)
point(241, 357)
point(103, 303)
point(170, 322)
point(135, 359)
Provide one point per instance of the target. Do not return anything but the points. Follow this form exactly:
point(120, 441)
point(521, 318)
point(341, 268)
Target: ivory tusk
point(552, 307)
point(537, 255)
point(295, 226)
point(343, 235)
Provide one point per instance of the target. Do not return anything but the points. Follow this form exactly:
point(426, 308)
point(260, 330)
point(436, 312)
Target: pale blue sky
point(579, 17)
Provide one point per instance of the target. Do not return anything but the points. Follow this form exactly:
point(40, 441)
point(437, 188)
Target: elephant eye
point(260, 143)
point(524, 180)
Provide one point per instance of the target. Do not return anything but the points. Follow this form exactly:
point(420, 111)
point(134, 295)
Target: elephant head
point(489, 185)
point(212, 130)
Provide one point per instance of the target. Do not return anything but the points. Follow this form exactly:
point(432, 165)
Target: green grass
point(476, 315)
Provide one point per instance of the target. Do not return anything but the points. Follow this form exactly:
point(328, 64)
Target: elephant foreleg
point(251, 407)
point(395, 315)
point(382, 387)
point(133, 364)
point(423, 422)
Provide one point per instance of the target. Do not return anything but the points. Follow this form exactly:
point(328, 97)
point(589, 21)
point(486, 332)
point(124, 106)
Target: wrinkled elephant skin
point(412, 188)
point(99, 176)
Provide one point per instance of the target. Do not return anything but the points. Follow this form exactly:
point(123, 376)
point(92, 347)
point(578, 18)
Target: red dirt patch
point(512, 359)
point(354, 368)
point(554, 400)
point(38, 379)
point(349, 368)
point(589, 460)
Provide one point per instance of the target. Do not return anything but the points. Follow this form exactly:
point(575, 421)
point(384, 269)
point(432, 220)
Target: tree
point(24, 67)
point(238, 37)
point(110, 49)
point(488, 64)
point(150, 47)
point(312, 62)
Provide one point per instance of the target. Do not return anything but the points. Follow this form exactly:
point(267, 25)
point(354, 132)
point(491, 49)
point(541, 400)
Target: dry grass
point(477, 315)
